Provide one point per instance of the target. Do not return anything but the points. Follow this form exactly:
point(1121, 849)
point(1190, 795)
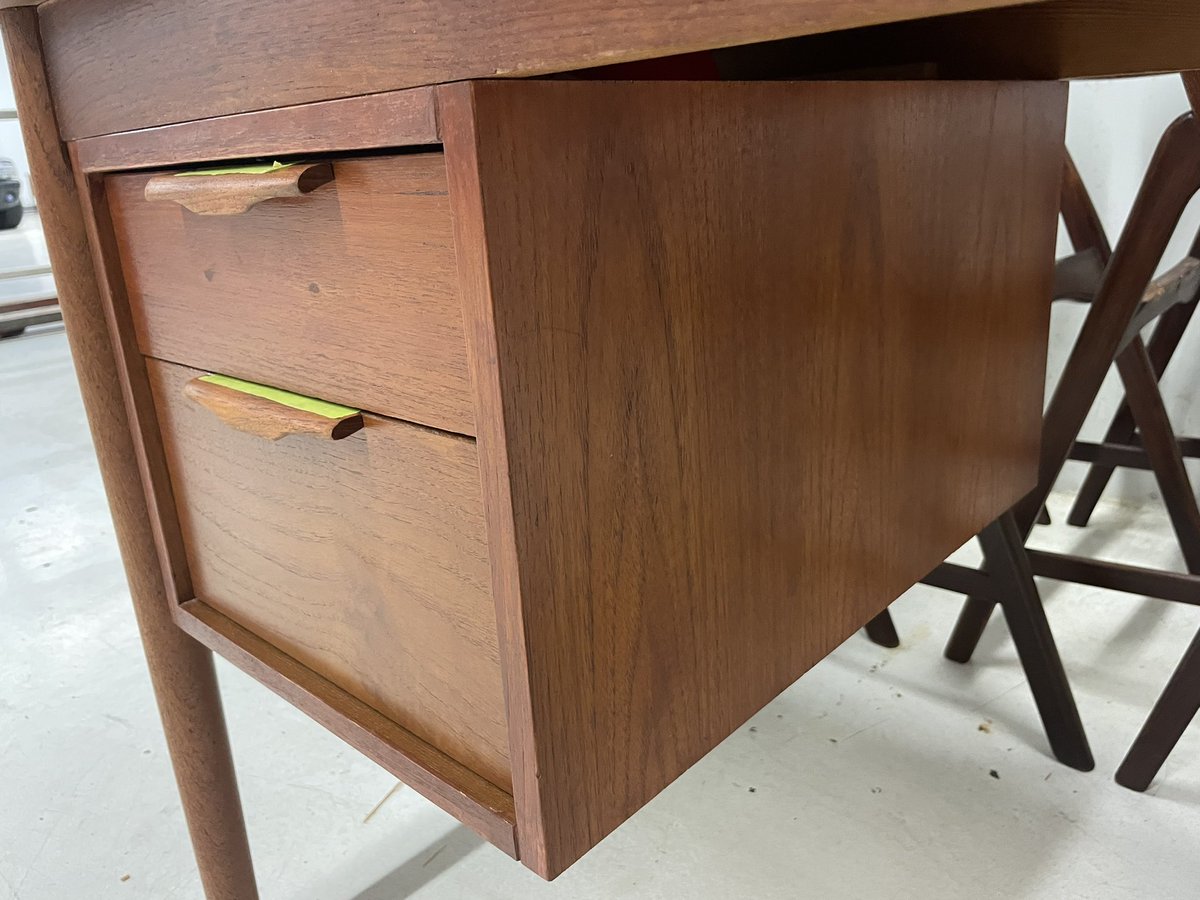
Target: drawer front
point(347, 292)
point(363, 558)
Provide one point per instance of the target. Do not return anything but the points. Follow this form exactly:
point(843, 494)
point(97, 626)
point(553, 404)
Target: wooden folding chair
point(1124, 302)
point(1172, 300)
point(1007, 578)
point(1008, 581)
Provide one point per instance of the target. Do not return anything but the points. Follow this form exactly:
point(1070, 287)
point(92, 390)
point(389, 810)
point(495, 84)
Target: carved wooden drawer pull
point(228, 192)
point(269, 412)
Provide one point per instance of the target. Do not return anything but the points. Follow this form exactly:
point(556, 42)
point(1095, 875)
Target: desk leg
point(180, 668)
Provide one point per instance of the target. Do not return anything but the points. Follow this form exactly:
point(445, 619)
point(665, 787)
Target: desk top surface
point(117, 65)
point(827, 14)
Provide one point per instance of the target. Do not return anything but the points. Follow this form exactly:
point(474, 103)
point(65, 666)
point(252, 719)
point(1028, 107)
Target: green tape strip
point(286, 398)
point(237, 170)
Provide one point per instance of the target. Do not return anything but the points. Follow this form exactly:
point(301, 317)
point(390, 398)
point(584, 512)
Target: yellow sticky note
point(237, 170)
point(285, 398)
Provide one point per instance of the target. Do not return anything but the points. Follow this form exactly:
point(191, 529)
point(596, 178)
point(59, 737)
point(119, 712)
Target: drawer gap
point(430, 429)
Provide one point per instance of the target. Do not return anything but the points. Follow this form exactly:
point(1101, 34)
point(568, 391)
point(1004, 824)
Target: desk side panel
point(751, 359)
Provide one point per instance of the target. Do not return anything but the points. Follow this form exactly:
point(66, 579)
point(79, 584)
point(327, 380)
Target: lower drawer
point(365, 559)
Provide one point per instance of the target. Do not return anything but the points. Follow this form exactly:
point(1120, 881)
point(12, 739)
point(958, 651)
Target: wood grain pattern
point(347, 293)
point(746, 372)
point(1055, 39)
point(102, 54)
point(390, 119)
point(181, 669)
point(265, 418)
point(475, 802)
point(233, 194)
point(231, 56)
point(1062, 39)
point(364, 559)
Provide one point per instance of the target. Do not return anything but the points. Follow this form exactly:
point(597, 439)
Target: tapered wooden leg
point(1004, 546)
point(1175, 709)
point(1172, 180)
point(181, 669)
point(968, 629)
point(882, 630)
point(1161, 347)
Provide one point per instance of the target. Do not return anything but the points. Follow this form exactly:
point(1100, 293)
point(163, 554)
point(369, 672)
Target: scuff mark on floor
point(386, 797)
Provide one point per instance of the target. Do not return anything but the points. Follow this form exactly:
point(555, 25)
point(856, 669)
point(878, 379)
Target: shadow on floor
point(424, 867)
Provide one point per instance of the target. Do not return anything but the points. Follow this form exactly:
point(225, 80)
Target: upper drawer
point(347, 293)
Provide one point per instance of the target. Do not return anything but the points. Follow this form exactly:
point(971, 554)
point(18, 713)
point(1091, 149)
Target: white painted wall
point(1112, 129)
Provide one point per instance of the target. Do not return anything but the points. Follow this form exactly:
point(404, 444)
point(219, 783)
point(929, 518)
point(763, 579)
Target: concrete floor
point(879, 774)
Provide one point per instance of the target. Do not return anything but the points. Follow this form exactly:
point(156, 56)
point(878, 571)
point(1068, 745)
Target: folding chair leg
point(1158, 437)
point(882, 630)
point(1180, 701)
point(1172, 180)
point(1161, 348)
point(1162, 448)
point(968, 629)
point(1191, 84)
point(1175, 709)
point(1005, 550)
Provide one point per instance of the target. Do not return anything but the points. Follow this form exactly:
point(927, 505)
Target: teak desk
point(637, 397)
